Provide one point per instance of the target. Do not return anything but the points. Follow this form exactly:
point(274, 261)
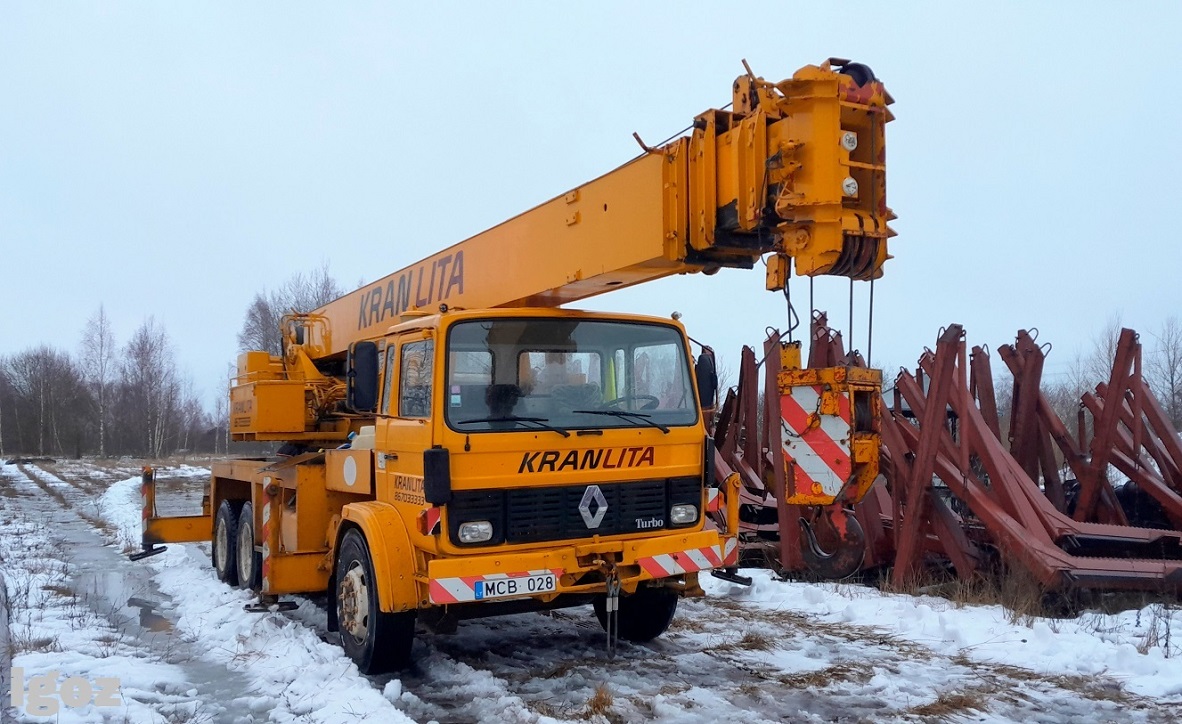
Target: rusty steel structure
point(964, 490)
point(817, 420)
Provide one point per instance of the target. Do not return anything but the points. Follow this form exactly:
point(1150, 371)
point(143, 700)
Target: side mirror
point(361, 390)
point(707, 377)
point(437, 476)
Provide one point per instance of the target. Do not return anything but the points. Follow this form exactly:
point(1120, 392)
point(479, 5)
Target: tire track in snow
point(236, 666)
point(78, 618)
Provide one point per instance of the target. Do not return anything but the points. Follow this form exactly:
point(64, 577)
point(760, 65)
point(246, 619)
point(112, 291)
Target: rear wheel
point(376, 641)
point(225, 541)
point(643, 616)
point(250, 561)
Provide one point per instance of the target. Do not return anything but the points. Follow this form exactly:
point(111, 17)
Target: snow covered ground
point(184, 650)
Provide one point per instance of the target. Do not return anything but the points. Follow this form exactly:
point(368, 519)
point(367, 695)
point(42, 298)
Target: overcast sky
point(171, 159)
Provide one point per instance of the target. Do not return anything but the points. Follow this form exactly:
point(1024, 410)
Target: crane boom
point(795, 169)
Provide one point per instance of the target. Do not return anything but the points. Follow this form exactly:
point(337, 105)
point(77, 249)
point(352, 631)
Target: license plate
point(519, 586)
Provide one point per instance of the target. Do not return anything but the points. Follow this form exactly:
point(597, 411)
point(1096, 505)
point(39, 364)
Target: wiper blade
point(541, 422)
point(646, 419)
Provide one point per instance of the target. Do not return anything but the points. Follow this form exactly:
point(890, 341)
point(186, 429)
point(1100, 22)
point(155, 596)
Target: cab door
point(408, 404)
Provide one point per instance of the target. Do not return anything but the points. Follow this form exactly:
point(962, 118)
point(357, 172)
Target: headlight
point(477, 531)
point(683, 514)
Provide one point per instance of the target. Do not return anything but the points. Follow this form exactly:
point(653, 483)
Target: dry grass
point(63, 591)
point(600, 703)
point(545, 708)
point(25, 641)
point(561, 669)
point(685, 623)
point(1157, 633)
point(1011, 587)
point(837, 673)
point(45, 487)
point(1089, 687)
point(754, 691)
point(1023, 596)
point(752, 641)
point(950, 703)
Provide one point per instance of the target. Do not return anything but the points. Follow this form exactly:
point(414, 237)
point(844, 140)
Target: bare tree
point(151, 390)
point(98, 367)
point(260, 329)
point(4, 394)
point(48, 393)
point(1163, 368)
point(303, 293)
point(1095, 365)
point(221, 420)
point(300, 293)
point(192, 419)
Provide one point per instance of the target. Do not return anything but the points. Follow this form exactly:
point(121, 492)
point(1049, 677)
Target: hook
point(844, 531)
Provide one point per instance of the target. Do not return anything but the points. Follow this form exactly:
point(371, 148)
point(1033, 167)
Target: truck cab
point(531, 456)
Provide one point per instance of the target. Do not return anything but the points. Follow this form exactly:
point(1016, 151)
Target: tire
point(250, 561)
point(643, 616)
point(225, 542)
point(377, 641)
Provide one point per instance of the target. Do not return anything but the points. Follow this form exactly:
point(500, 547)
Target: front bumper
point(454, 580)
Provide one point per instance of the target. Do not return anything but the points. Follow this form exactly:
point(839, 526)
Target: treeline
point(107, 399)
point(113, 399)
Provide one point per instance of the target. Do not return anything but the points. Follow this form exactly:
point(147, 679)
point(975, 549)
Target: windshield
point(567, 374)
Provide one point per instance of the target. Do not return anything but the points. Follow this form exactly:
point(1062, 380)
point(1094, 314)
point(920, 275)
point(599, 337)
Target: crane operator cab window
point(519, 374)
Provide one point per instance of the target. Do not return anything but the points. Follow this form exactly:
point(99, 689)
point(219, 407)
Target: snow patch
point(300, 677)
point(1129, 646)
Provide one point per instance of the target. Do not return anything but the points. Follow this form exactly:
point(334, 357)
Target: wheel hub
point(354, 603)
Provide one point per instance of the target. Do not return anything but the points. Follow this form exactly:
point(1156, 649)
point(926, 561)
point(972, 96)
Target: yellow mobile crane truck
point(457, 445)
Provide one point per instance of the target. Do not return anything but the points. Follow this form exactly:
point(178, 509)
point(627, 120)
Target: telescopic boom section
point(796, 169)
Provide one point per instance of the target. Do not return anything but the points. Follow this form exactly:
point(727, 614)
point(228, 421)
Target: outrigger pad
point(148, 552)
point(729, 574)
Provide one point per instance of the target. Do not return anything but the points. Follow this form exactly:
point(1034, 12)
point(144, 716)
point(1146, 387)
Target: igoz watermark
point(45, 698)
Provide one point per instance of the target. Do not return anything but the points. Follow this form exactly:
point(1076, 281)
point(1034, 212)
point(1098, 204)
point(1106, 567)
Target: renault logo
point(593, 496)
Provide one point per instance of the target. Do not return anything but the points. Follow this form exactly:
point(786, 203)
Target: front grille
point(533, 515)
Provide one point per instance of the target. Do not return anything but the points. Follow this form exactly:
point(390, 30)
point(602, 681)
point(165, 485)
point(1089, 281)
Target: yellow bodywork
point(793, 172)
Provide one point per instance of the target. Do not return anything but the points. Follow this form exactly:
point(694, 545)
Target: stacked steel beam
point(954, 494)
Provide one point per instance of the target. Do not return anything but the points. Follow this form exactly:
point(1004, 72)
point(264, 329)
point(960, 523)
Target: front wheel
point(643, 616)
point(376, 641)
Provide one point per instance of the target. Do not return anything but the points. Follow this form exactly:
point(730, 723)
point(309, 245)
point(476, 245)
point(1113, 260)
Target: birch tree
point(98, 366)
point(1163, 368)
point(148, 380)
point(49, 396)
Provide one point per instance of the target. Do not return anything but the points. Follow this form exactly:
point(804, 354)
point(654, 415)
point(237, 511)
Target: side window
point(414, 379)
point(657, 372)
point(389, 383)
